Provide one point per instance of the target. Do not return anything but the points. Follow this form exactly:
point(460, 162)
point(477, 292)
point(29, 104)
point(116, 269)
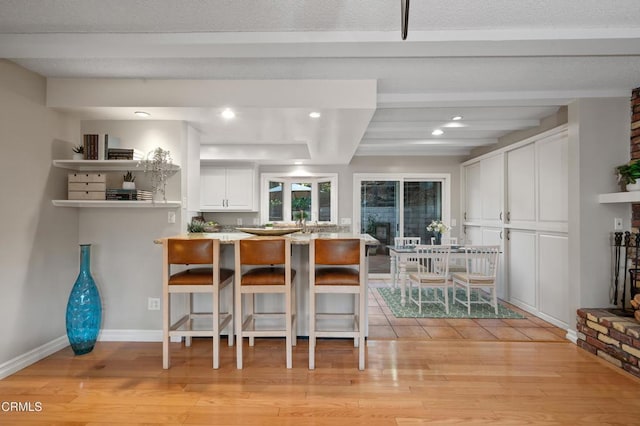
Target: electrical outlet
point(617, 224)
point(345, 221)
point(171, 218)
point(153, 304)
point(239, 221)
point(256, 221)
point(454, 222)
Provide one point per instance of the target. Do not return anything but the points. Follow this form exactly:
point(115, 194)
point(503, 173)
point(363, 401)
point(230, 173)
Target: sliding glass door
point(397, 206)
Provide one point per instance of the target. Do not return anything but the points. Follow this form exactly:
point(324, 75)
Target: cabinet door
point(521, 255)
point(553, 178)
point(492, 181)
point(472, 235)
point(240, 189)
point(473, 193)
point(521, 202)
point(554, 276)
point(213, 193)
point(494, 237)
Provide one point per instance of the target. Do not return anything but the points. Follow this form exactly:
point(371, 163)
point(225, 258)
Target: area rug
point(432, 310)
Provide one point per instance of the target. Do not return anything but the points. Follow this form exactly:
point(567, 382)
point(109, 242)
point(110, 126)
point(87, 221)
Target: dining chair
point(202, 279)
point(432, 274)
point(263, 266)
point(480, 275)
point(452, 241)
point(410, 264)
point(338, 266)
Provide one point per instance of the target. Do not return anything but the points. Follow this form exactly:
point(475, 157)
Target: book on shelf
point(90, 144)
point(129, 194)
point(124, 154)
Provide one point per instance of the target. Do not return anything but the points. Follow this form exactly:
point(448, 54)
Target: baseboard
point(130, 336)
point(133, 336)
point(572, 336)
point(18, 363)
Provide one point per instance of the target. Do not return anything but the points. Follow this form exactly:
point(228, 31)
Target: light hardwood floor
point(406, 382)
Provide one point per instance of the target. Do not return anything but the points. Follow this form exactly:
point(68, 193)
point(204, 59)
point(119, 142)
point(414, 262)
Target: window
point(289, 198)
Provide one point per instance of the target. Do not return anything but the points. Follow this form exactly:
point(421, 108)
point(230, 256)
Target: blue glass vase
point(84, 309)
point(437, 238)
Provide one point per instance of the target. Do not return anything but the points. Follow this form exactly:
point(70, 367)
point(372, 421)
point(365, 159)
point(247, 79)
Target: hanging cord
point(404, 12)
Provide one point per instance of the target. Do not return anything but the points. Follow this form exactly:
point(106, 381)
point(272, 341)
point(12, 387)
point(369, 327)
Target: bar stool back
point(262, 266)
point(338, 266)
point(210, 279)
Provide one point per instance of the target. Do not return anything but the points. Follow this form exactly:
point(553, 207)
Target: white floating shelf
point(117, 204)
point(620, 197)
point(103, 165)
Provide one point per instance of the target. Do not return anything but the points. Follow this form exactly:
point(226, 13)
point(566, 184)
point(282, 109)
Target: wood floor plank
point(407, 382)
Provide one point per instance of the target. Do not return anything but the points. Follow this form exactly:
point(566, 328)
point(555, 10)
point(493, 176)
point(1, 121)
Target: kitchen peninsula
point(299, 262)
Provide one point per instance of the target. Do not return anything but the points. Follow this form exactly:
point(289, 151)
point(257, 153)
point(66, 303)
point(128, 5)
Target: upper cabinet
point(228, 188)
point(521, 186)
point(484, 191)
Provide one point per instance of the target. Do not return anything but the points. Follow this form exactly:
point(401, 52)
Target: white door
point(492, 178)
point(213, 188)
point(473, 193)
point(521, 254)
point(521, 190)
point(553, 276)
point(240, 189)
point(553, 189)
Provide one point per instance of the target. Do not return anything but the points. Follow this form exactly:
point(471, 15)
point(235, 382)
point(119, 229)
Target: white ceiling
point(501, 64)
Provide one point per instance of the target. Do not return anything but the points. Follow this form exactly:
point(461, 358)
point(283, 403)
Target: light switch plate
point(617, 224)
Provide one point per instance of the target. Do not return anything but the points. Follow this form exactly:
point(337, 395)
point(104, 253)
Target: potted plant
point(628, 174)
point(160, 164)
point(129, 181)
point(195, 226)
point(78, 152)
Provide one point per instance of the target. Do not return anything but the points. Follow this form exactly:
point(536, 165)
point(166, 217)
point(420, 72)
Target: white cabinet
point(529, 180)
point(553, 276)
point(521, 257)
point(484, 189)
point(473, 193)
point(553, 183)
point(227, 189)
point(521, 186)
point(492, 181)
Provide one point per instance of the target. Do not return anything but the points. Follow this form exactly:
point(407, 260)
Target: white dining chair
point(480, 275)
point(451, 241)
point(432, 274)
point(410, 264)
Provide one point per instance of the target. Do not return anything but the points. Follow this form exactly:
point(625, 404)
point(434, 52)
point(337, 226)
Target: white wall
point(39, 257)
point(126, 264)
point(599, 131)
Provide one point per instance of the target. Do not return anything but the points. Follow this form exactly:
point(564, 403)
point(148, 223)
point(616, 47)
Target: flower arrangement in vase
point(438, 228)
point(160, 164)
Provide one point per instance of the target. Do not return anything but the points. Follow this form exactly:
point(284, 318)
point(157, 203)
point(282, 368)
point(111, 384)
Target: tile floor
point(383, 325)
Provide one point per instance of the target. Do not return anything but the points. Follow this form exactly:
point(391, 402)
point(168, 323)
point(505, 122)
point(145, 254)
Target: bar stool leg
point(251, 300)
point(238, 321)
point(166, 361)
point(231, 304)
point(187, 339)
point(312, 329)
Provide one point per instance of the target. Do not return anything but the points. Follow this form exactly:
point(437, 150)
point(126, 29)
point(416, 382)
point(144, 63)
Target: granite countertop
point(297, 238)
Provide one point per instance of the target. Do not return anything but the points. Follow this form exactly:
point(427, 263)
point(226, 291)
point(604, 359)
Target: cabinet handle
point(500, 216)
point(465, 215)
point(508, 234)
point(464, 230)
point(500, 234)
point(508, 216)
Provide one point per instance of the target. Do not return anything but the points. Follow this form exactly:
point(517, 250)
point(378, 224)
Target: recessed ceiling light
point(437, 132)
point(314, 114)
point(142, 114)
point(297, 163)
point(228, 114)
point(456, 118)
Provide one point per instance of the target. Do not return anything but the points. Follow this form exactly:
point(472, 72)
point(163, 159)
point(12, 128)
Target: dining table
point(399, 257)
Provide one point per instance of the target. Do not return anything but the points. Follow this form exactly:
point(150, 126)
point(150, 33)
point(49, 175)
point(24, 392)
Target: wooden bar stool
point(263, 266)
point(338, 266)
point(211, 279)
